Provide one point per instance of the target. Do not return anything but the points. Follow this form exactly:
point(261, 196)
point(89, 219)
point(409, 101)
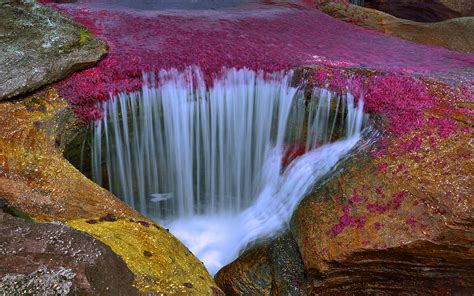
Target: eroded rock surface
point(54, 259)
point(39, 46)
point(454, 34)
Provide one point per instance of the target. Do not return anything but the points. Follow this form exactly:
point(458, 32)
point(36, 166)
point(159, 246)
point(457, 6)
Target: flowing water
point(224, 165)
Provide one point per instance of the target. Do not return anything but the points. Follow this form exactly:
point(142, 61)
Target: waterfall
point(243, 151)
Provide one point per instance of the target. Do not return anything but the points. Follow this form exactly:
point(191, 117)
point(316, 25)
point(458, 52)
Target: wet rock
point(271, 268)
point(54, 259)
point(398, 219)
point(40, 46)
point(424, 11)
point(250, 274)
point(454, 34)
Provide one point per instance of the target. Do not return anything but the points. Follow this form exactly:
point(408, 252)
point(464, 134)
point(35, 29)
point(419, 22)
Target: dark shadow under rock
point(54, 259)
point(40, 46)
point(424, 10)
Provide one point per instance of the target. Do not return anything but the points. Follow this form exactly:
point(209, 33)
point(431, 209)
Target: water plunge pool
point(221, 165)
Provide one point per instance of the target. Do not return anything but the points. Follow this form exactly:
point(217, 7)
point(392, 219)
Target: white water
point(207, 163)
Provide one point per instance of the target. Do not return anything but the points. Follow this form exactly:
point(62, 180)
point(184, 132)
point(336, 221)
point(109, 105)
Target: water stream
point(221, 165)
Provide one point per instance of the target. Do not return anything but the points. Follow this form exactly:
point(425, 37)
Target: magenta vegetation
point(267, 37)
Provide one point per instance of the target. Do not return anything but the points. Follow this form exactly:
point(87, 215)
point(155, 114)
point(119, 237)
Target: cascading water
point(225, 165)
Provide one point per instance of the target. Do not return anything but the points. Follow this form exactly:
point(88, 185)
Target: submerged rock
point(40, 46)
point(454, 34)
point(54, 259)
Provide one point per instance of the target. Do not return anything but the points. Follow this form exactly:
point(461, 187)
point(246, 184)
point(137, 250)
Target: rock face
point(424, 10)
point(455, 34)
point(397, 217)
point(271, 268)
point(54, 259)
point(40, 46)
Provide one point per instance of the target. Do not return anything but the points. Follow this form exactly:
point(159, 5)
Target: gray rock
point(40, 282)
point(54, 259)
point(39, 46)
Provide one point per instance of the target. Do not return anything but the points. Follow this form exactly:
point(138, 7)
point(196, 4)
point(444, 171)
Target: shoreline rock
point(41, 46)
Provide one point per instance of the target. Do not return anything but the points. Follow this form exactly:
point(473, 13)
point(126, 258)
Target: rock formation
point(40, 46)
point(454, 34)
point(52, 258)
point(424, 10)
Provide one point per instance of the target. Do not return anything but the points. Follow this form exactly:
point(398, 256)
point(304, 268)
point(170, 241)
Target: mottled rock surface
point(54, 259)
point(424, 10)
point(273, 267)
point(39, 46)
point(454, 34)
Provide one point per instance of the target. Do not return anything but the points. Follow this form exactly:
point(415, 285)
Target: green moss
point(84, 35)
point(12, 211)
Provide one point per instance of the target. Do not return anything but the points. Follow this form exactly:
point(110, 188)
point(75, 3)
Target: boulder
point(54, 259)
point(454, 34)
point(425, 10)
point(40, 46)
point(273, 267)
point(401, 223)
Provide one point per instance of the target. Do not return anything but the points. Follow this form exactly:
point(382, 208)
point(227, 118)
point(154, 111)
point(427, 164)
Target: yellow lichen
point(158, 260)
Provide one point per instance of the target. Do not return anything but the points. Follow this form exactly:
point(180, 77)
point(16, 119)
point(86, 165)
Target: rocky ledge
point(454, 34)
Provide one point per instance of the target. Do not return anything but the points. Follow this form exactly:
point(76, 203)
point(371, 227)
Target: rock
point(455, 34)
point(54, 259)
point(250, 274)
point(43, 280)
point(398, 218)
point(270, 268)
point(37, 181)
point(424, 11)
point(40, 46)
